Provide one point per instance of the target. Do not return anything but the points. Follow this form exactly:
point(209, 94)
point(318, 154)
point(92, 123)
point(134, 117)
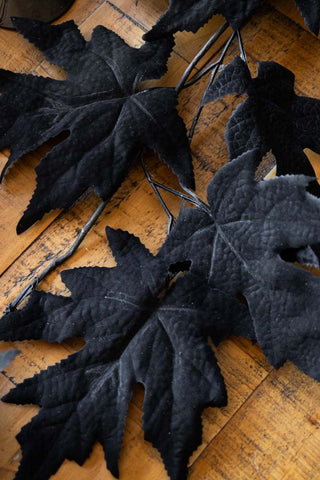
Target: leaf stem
point(199, 75)
point(212, 78)
point(175, 192)
point(154, 186)
point(191, 198)
point(200, 55)
point(241, 47)
point(197, 201)
point(57, 261)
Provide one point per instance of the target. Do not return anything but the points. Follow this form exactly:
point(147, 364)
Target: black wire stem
point(200, 55)
point(154, 186)
point(241, 47)
point(57, 261)
point(212, 78)
point(191, 197)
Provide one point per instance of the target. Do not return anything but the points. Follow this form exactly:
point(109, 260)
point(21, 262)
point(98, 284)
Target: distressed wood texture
point(270, 429)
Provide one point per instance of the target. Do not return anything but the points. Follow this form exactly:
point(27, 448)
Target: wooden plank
point(278, 425)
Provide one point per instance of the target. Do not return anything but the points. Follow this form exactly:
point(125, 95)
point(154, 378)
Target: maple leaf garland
point(273, 117)
point(190, 15)
point(142, 322)
point(109, 122)
point(138, 327)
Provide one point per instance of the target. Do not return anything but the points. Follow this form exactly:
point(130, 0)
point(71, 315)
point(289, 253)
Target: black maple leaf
point(236, 247)
point(190, 15)
point(139, 326)
point(109, 121)
point(273, 117)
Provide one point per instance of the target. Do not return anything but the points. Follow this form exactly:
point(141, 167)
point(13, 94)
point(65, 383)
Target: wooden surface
point(270, 428)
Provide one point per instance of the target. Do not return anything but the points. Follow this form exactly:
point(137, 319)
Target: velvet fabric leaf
point(108, 120)
point(139, 325)
point(273, 117)
point(237, 245)
point(7, 357)
point(190, 15)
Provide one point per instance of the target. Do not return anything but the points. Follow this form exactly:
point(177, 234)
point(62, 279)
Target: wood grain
point(270, 428)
